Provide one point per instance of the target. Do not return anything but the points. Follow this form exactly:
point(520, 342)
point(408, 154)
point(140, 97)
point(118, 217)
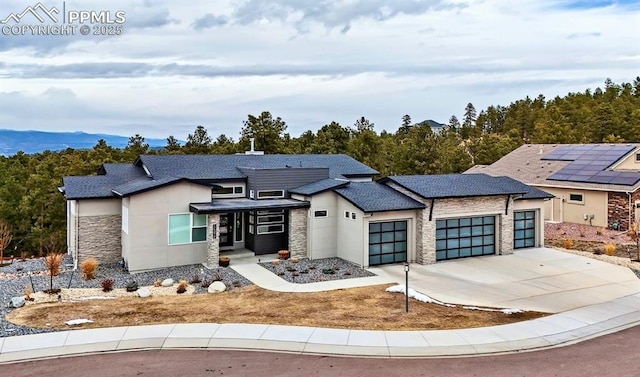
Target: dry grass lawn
point(370, 308)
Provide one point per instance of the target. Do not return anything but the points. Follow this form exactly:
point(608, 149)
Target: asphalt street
point(615, 354)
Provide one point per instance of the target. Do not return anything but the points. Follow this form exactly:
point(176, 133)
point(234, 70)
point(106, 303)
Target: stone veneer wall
point(213, 241)
point(461, 207)
point(298, 232)
point(618, 208)
point(99, 237)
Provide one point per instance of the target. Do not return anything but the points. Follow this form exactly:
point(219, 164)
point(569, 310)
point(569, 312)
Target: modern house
point(183, 209)
point(595, 184)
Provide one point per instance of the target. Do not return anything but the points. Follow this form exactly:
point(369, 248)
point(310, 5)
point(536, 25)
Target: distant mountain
point(12, 141)
point(435, 126)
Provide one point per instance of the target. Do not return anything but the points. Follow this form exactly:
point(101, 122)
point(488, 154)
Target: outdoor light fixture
point(406, 287)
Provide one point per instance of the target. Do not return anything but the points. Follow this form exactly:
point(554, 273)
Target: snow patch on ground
point(418, 296)
point(78, 321)
point(424, 298)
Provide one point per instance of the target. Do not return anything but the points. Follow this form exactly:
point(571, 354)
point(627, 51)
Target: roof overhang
point(245, 205)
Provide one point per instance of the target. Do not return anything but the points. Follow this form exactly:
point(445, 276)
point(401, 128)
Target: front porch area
point(259, 226)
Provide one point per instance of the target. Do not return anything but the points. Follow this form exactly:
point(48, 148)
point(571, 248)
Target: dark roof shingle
point(374, 197)
point(458, 185)
point(319, 186)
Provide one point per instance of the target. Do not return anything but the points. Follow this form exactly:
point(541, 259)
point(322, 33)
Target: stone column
point(298, 232)
point(213, 240)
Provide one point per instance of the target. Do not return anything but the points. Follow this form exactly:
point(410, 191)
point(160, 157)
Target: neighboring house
point(180, 209)
point(595, 184)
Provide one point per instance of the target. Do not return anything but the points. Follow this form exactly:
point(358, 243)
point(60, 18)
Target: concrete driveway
point(539, 279)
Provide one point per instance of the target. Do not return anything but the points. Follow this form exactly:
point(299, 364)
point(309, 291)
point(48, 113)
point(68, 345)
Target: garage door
point(387, 242)
point(465, 237)
point(524, 229)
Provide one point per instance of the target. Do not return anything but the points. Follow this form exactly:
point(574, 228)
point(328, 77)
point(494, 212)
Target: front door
point(226, 229)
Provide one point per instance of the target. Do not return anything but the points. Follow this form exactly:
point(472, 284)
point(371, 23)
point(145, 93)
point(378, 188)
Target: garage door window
point(465, 237)
point(387, 242)
point(524, 227)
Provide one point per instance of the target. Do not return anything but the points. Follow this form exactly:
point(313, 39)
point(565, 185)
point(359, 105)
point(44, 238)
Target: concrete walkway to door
point(539, 279)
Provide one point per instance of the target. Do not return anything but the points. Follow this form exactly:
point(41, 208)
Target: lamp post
point(406, 287)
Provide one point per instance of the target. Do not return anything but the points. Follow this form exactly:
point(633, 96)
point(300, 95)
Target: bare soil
point(370, 308)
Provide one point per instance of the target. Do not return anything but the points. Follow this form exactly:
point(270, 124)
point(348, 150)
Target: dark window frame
point(477, 229)
point(321, 213)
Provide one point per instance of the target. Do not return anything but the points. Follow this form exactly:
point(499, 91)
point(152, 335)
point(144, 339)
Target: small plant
point(206, 283)
point(328, 271)
point(237, 284)
point(27, 293)
point(217, 277)
point(347, 273)
point(568, 244)
point(182, 286)
point(275, 262)
point(291, 268)
point(295, 273)
point(280, 273)
point(305, 271)
point(107, 285)
point(132, 286)
point(599, 232)
point(88, 268)
point(157, 283)
point(581, 234)
point(195, 279)
point(295, 260)
point(53, 261)
point(312, 267)
point(610, 249)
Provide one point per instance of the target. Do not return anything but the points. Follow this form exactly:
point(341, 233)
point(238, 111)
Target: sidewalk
point(555, 330)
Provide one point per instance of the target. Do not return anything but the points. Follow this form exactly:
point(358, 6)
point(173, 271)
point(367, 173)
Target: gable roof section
point(100, 186)
point(319, 186)
point(531, 164)
point(374, 197)
point(458, 185)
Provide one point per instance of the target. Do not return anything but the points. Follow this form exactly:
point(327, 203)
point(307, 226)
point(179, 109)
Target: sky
point(179, 64)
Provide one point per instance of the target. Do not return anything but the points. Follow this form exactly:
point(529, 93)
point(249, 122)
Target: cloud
point(208, 21)
point(333, 14)
point(583, 35)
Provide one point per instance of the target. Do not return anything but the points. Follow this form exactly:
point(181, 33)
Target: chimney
point(253, 150)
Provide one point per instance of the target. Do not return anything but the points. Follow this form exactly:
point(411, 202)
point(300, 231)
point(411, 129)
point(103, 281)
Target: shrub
point(157, 283)
point(217, 277)
point(237, 284)
point(53, 262)
point(328, 271)
point(195, 279)
point(275, 262)
point(599, 232)
point(107, 285)
point(206, 283)
point(132, 286)
point(610, 249)
point(88, 268)
point(568, 244)
point(182, 286)
point(295, 260)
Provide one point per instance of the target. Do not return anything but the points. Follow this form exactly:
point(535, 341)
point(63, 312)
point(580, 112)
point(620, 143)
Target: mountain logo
point(38, 11)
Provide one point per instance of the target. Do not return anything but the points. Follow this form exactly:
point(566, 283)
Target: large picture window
point(271, 194)
point(187, 228)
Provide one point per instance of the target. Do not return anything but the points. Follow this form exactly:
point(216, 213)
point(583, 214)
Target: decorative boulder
point(144, 292)
point(216, 287)
point(167, 283)
point(17, 302)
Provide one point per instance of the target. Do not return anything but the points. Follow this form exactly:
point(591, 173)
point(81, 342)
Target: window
point(323, 213)
point(353, 215)
point(576, 198)
point(270, 219)
point(268, 229)
point(347, 214)
point(637, 157)
point(233, 191)
point(187, 228)
point(271, 194)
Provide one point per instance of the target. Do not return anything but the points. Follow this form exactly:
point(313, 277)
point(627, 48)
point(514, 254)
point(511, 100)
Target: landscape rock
point(167, 283)
point(217, 287)
point(17, 302)
point(144, 292)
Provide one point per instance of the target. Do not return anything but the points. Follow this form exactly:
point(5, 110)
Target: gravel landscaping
point(305, 270)
point(16, 277)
